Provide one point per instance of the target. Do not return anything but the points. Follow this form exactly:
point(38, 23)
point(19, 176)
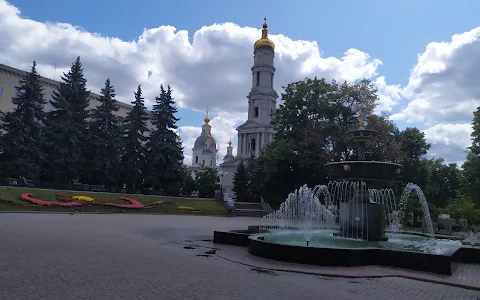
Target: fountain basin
point(346, 255)
point(355, 252)
point(364, 170)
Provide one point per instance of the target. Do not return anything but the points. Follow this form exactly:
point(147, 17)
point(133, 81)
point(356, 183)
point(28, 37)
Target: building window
point(203, 162)
point(196, 159)
point(203, 131)
point(258, 78)
point(211, 163)
point(271, 110)
point(1, 91)
point(256, 112)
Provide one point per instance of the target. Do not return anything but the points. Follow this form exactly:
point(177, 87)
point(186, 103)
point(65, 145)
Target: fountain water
point(471, 237)
point(423, 202)
point(302, 210)
point(358, 211)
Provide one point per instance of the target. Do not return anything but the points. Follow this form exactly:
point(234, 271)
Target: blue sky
point(395, 32)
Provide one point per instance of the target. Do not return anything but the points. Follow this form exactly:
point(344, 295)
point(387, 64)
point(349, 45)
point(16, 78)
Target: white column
point(239, 145)
point(245, 144)
point(257, 150)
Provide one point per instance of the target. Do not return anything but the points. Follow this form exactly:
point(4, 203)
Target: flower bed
point(29, 198)
point(133, 203)
point(188, 208)
point(83, 198)
point(65, 200)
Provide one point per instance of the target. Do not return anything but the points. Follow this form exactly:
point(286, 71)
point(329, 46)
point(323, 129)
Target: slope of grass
point(10, 201)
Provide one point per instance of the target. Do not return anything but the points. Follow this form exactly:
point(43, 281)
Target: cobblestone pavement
point(63, 256)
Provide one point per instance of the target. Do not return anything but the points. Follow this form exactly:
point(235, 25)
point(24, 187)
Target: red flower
point(133, 203)
point(28, 197)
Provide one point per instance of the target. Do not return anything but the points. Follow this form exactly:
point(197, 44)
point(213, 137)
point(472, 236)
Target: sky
point(424, 56)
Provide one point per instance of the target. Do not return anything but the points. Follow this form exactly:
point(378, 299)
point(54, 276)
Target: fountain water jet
point(423, 202)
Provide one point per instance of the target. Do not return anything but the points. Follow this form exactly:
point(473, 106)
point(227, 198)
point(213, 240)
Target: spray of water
point(471, 236)
point(301, 210)
point(309, 209)
point(411, 187)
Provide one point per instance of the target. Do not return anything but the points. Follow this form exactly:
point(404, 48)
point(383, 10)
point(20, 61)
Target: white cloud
point(212, 69)
point(449, 141)
point(444, 91)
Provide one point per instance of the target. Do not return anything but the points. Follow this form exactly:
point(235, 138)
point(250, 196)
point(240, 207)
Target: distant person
point(230, 207)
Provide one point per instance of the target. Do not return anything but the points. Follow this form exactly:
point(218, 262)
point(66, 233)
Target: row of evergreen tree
point(72, 143)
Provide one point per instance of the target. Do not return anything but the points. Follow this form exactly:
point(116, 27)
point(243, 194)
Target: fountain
point(349, 205)
point(361, 213)
point(352, 222)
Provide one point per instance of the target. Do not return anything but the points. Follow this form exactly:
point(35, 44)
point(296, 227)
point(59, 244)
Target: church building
point(257, 131)
point(204, 151)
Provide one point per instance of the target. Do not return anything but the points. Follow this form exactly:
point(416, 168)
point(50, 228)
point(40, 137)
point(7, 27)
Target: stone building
point(10, 77)
point(257, 131)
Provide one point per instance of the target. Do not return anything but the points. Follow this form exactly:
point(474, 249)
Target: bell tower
point(257, 131)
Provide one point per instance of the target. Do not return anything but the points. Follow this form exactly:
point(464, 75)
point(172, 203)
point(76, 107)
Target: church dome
point(206, 119)
point(264, 42)
point(201, 140)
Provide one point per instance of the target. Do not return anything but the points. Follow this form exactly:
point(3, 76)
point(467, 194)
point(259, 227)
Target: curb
point(326, 274)
point(101, 213)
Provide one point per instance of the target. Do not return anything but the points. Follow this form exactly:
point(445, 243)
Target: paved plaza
point(123, 256)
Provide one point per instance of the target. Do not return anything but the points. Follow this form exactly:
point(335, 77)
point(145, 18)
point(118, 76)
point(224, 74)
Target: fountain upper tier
point(362, 169)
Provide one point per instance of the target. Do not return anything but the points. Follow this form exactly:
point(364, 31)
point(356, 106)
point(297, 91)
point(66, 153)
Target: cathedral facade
point(257, 131)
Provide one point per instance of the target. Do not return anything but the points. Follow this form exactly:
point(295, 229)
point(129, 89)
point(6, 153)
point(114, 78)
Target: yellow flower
point(83, 198)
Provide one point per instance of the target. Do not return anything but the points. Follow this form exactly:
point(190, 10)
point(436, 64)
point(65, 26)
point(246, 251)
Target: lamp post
point(222, 173)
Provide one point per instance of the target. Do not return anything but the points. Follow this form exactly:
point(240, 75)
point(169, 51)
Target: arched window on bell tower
point(253, 145)
point(258, 78)
point(255, 112)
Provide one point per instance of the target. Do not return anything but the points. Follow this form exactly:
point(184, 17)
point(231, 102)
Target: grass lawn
point(10, 201)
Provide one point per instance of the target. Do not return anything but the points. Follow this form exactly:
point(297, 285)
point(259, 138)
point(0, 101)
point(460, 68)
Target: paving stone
point(69, 257)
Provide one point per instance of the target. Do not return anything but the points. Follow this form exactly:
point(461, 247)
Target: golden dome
point(264, 42)
point(206, 119)
point(230, 143)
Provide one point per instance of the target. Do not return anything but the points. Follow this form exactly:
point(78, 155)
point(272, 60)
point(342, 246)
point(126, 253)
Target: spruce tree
point(133, 156)
point(22, 142)
point(67, 127)
point(240, 182)
point(106, 139)
point(165, 150)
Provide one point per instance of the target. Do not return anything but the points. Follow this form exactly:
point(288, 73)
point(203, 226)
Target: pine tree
point(240, 182)
point(165, 150)
point(22, 142)
point(67, 127)
point(133, 156)
point(106, 139)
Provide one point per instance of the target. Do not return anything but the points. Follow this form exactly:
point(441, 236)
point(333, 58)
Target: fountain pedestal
point(362, 220)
